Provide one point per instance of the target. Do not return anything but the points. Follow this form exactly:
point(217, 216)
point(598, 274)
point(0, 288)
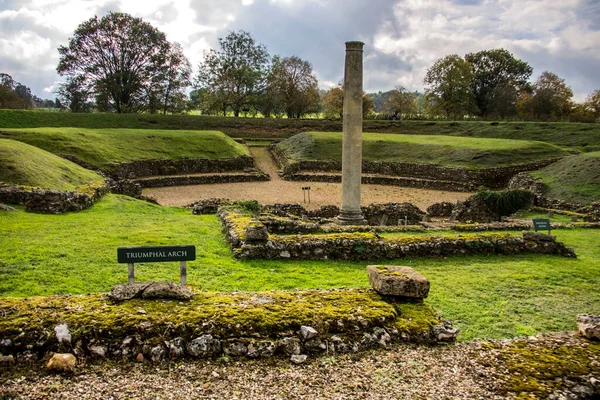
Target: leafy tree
point(235, 75)
point(119, 57)
point(592, 103)
point(333, 103)
point(13, 94)
point(551, 98)
point(74, 95)
point(292, 83)
point(449, 87)
point(167, 91)
point(400, 101)
point(498, 78)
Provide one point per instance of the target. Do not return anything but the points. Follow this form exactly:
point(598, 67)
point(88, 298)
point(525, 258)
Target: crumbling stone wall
point(144, 168)
point(423, 175)
point(52, 201)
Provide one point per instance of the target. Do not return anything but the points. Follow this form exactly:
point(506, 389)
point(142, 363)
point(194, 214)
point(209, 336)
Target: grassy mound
point(583, 137)
point(574, 179)
point(102, 147)
point(27, 165)
point(472, 153)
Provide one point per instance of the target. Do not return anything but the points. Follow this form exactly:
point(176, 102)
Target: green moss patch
point(535, 370)
point(472, 153)
point(22, 164)
point(261, 314)
point(103, 147)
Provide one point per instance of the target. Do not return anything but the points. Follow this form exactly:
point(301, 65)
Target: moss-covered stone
point(31, 321)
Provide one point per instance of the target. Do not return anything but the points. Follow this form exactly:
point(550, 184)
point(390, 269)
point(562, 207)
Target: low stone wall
point(53, 201)
point(252, 325)
point(407, 174)
point(144, 168)
point(368, 245)
point(162, 181)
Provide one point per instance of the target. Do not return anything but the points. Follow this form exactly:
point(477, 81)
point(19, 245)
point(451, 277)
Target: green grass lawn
point(27, 165)
point(495, 296)
point(575, 179)
point(472, 153)
point(102, 147)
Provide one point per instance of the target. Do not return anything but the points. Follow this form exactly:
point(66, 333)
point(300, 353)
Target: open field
point(576, 136)
point(574, 179)
point(495, 296)
point(27, 165)
point(102, 147)
point(472, 153)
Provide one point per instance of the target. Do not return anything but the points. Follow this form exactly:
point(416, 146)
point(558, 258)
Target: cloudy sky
point(402, 37)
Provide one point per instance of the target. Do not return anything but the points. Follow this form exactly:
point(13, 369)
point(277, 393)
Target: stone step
point(200, 179)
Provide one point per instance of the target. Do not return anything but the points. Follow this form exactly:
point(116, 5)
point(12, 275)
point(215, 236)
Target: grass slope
point(471, 153)
point(495, 296)
point(577, 136)
point(102, 147)
point(27, 165)
point(574, 179)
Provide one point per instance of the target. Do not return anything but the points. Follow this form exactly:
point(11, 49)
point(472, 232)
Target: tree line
point(119, 63)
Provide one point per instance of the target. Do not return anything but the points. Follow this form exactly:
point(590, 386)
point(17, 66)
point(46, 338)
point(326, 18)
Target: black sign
point(130, 255)
point(541, 224)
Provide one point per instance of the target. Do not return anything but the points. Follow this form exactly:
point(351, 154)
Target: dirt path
point(278, 190)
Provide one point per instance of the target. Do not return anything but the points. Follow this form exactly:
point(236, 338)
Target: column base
point(350, 218)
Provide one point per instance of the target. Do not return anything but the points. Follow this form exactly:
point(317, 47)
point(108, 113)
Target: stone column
point(350, 213)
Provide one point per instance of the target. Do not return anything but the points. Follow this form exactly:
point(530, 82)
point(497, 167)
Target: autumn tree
point(449, 87)
point(235, 75)
point(14, 94)
point(292, 84)
point(592, 103)
point(120, 57)
point(400, 101)
point(498, 79)
point(333, 103)
point(550, 98)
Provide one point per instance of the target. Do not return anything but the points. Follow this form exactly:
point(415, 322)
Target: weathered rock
point(308, 332)
point(538, 236)
point(176, 348)
point(381, 336)
point(4, 207)
point(62, 362)
point(7, 360)
point(589, 325)
point(289, 345)
point(474, 210)
point(157, 354)
point(445, 333)
point(315, 346)
point(62, 334)
point(140, 358)
point(150, 290)
point(204, 346)
point(256, 232)
point(209, 206)
point(97, 351)
point(235, 349)
point(167, 290)
point(443, 209)
point(261, 349)
point(298, 358)
point(410, 213)
point(391, 280)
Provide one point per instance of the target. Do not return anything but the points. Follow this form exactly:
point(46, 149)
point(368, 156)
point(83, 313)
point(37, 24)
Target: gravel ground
point(280, 191)
point(399, 372)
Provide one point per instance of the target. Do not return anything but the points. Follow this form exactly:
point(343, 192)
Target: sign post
point(542, 224)
point(131, 255)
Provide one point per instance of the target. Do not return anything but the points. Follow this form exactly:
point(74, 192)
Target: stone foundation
point(53, 201)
